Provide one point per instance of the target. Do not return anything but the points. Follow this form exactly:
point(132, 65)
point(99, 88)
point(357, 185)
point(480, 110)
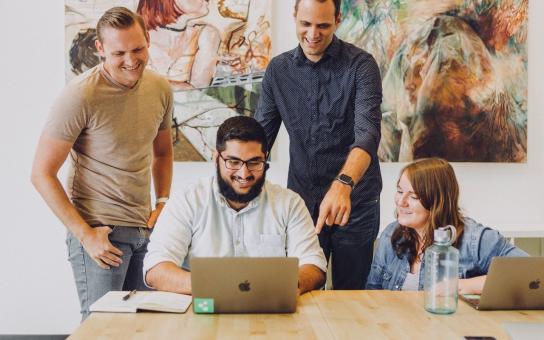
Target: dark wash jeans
point(351, 246)
point(92, 282)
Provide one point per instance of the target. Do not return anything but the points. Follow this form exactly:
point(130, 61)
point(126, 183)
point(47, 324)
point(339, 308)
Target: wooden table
point(320, 315)
point(306, 323)
point(400, 315)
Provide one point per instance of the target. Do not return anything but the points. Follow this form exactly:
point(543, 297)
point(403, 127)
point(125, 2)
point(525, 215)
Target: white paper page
point(113, 302)
point(171, 301)
point(525, 331)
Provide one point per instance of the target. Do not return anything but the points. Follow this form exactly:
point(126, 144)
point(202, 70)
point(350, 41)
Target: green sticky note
point(203, 306)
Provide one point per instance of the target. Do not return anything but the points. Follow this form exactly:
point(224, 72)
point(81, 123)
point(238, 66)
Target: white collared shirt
point(198, 222)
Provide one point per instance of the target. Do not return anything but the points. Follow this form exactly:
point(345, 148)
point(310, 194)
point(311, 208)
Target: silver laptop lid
point(514, 283)
point(244, 285)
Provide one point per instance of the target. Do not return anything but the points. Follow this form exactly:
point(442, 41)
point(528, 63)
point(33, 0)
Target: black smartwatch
point(345, 179)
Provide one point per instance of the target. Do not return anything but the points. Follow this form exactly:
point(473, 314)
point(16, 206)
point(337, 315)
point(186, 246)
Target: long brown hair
point(434, 182)
point(157, 13)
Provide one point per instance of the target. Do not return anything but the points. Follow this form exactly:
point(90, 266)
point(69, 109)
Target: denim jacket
point(478, 245)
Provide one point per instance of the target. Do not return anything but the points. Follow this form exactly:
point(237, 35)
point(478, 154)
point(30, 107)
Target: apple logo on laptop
point(244, 286)
point(534, 284)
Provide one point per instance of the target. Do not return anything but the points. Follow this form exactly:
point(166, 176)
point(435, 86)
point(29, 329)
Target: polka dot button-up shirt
point(328, 108)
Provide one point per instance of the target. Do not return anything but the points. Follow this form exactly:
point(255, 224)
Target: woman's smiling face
point(410, 211)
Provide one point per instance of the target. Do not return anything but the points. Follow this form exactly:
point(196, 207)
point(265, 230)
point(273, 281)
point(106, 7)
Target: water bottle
point(441, 272)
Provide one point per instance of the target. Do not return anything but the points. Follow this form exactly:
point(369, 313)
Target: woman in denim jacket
point(427, 198)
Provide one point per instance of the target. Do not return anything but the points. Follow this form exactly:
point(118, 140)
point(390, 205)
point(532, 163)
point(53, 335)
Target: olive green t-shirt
point(112, 128)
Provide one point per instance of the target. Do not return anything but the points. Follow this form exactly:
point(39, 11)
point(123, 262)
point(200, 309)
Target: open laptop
point(244, 285)
point(512, 283)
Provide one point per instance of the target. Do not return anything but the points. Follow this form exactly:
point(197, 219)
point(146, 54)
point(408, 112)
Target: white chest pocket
point(273, 240)
point(269, 245)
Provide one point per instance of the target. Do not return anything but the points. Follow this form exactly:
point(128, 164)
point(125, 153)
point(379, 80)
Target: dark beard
point(230, 194)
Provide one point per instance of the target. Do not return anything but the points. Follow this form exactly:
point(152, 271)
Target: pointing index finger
point(319, 224)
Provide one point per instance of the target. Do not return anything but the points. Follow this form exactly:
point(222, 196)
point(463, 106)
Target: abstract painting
point(198, 114)
point(454, 76)
point(213, 52)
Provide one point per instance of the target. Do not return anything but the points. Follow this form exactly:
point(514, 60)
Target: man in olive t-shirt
point(113, 122)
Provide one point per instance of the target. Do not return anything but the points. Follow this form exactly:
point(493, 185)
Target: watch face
point(345, 179)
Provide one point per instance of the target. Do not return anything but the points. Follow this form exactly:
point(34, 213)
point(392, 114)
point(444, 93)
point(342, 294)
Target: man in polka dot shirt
point(328, 94)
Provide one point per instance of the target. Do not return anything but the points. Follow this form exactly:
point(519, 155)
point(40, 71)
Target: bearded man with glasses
point(235, 213)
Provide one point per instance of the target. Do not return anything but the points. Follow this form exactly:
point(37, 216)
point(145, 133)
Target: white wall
point(37, 293)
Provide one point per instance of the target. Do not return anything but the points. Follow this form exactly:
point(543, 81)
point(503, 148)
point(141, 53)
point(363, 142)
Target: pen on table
point(126, 297)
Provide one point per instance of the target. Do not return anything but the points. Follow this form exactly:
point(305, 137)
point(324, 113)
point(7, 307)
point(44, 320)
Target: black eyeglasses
point(237, 164)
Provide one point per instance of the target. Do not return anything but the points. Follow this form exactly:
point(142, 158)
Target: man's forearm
point(162, 175)
point(335, 208)
point(168, 277)
point(55, 197)
point(50, 155)
point(161, 169)
point(310, 278)
point(356, 164)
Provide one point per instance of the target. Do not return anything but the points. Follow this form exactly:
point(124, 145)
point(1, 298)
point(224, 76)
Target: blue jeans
point(93, 282)
point(351, 246)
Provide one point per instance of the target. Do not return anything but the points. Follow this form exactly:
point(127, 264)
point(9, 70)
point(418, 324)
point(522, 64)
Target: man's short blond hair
point(119, 18)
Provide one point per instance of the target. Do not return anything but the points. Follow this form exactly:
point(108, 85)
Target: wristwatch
point(345, 179)
point(160, 200)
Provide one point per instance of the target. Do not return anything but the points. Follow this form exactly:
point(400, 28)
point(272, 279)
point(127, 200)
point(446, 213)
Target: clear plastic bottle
point(441, 272)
